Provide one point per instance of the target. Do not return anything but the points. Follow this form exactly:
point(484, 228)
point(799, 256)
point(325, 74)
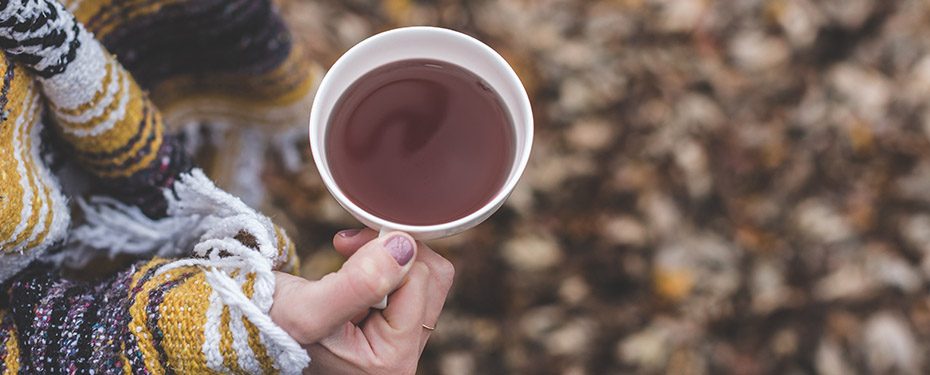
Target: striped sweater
point(104, 84)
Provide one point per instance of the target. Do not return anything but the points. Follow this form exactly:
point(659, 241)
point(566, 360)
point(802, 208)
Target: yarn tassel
point(205, 226)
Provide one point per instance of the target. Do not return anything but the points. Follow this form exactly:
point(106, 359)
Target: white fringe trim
point(204, 219)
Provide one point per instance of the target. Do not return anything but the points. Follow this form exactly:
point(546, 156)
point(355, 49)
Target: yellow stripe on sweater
point(150, 124)
point(88, 8)
point(230, 357)
point(103, 29)
point(131, 128)
point(30, 178)
point(149, 154)
point(11, 361)
point(41, 194)
point(287, 84)
point(14, 184)
point(183, 320)
point(11, 204)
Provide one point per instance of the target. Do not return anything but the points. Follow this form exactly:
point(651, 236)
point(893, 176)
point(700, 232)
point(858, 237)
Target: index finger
point(347, 242)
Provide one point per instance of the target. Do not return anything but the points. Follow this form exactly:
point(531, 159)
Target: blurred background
point(716, 187)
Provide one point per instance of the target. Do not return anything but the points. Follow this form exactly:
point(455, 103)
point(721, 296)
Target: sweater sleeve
point(205, 309)
point(203, 305)
point(203, 312)
point(104, 118)
point(145, 319)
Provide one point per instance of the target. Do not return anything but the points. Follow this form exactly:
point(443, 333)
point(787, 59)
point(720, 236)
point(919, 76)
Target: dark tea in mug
point(420, 142)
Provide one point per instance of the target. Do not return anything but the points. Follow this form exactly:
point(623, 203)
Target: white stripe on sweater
point(212, 335)
point(240, 337)
point(34, 126)
point(82, 78)
point(116, 78)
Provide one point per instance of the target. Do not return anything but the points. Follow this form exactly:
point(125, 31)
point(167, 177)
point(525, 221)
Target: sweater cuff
point(207, 309)
point(150, 318)
point(192, 320)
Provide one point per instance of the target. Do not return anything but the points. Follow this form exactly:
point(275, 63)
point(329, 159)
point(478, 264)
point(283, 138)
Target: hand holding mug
point(331, 318)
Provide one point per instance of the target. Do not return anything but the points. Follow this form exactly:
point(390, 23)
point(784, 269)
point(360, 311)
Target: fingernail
point(349, 233)
point(400, 248)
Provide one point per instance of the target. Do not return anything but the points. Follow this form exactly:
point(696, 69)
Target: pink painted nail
point(400, 248)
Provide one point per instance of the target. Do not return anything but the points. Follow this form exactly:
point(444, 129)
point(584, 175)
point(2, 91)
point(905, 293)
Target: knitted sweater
point(201, 304)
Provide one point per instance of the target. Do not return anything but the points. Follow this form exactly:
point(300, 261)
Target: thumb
point(375, 270)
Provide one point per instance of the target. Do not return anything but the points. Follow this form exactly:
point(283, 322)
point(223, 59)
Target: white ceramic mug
point(422, 42)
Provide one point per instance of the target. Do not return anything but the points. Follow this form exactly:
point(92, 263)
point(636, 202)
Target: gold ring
point(428, 328)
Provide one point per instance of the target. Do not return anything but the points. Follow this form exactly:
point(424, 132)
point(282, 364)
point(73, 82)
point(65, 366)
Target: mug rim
point(467, 221)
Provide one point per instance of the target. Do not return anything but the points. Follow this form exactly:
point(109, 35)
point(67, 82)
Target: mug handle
point(383, 304)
